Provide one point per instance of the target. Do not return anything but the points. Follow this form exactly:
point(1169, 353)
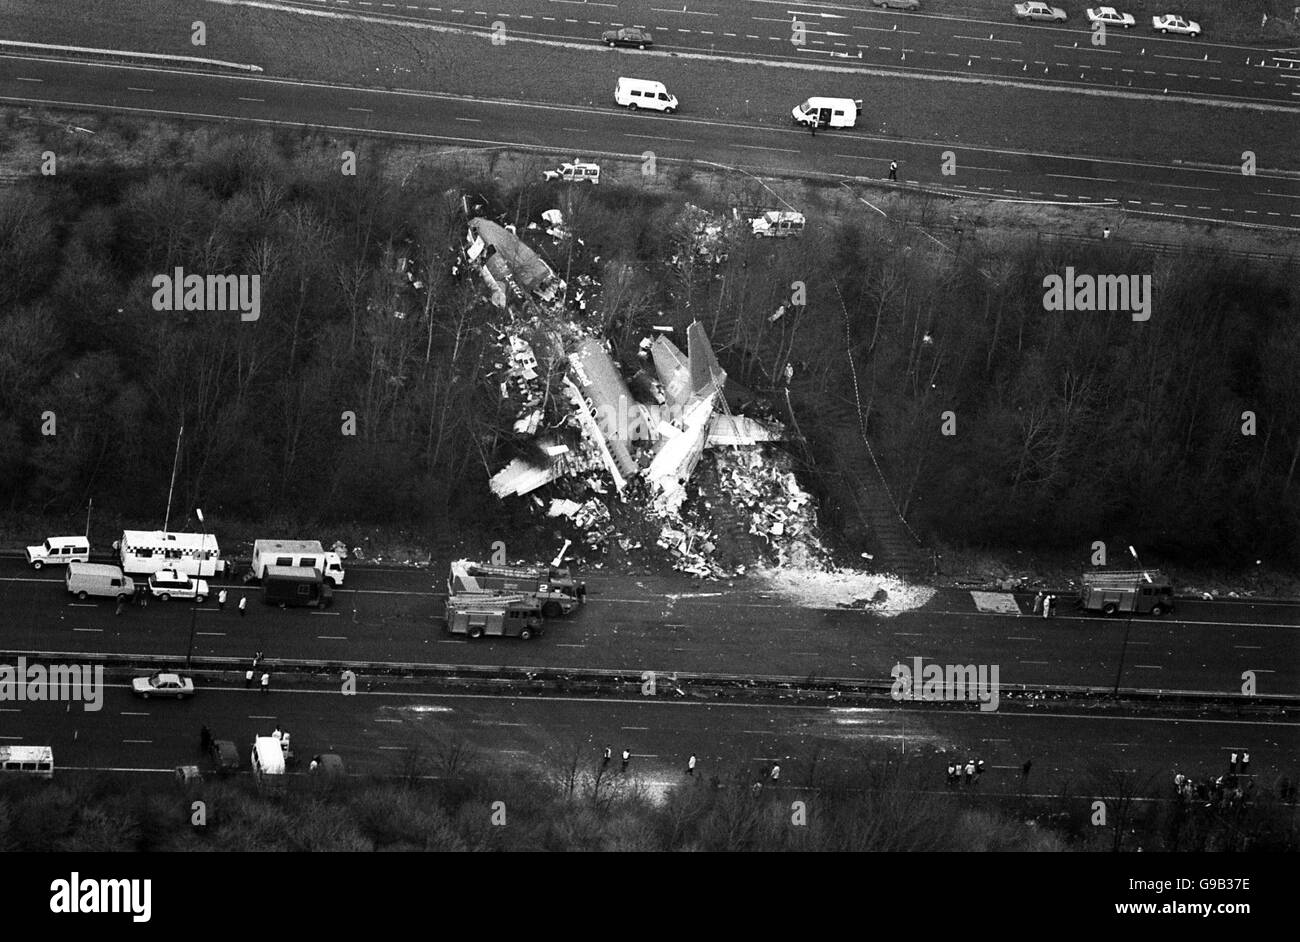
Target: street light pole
point(189, 656)
point(1128, 624)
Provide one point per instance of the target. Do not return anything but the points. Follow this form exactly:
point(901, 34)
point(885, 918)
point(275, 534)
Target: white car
point(1173, 23)
point(575, 172)
point(1111, 17)
point(1038, 11)
point(170, 584)
point(163, 685)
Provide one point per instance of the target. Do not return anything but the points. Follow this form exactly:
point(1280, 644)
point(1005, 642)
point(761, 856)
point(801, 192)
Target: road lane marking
point(331, 637)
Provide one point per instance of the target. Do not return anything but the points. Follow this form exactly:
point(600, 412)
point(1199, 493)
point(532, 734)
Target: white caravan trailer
point(146, 551)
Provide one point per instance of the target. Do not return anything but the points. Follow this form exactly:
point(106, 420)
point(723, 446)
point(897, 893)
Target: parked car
point(627, 36)
point(163, 685)
point(224, 756)
point(575, 172)
point(1173, 23)
point(172, 584)
point(59, 551)
point(899, 4)
point(1039, 11)
point(1111, 17)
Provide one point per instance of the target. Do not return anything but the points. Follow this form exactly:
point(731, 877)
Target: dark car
point(627, 36)
point(224, 755)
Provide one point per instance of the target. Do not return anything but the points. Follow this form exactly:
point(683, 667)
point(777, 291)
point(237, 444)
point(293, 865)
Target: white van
point(86, 579)
point(642, 93)
point(827, 112)
point(59, 550)
point(267, 760)
point(34, 760)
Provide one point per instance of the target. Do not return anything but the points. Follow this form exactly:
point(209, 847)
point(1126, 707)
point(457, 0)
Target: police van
point(34, 760)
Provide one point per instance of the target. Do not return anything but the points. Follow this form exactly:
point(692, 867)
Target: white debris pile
point(702, 234)
point(782, 514)
point(846, 588)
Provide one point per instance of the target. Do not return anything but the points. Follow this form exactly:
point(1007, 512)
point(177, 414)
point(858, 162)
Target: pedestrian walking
point(1245, 762)
point(1232, 762)
point(1047, 607)
point(970, 771)
point(243, 604)
point(952, 774)
point(1038, 604)
point(627, 757)
point(893, 170)
point(979, 768)
point(248, 678)
point(205, 740)
point(812, 126)
point(1024, 770)
point(690, 765)
point(221, 600)
point(609, 754)
point(266, 682)
point(775, 774)
point(257, 656)
point(121, 603)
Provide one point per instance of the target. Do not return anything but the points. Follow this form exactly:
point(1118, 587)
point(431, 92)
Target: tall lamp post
point(1127, 625)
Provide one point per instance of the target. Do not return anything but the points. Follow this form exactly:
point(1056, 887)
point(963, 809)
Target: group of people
point(968, 774)
point(249, 675)
point(1226, 790)
point(1044, 605)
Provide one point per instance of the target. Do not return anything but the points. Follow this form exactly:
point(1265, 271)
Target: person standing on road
point(893, 170)
point(243, 604)
point(775, 774)
point(1024, 770)
point(609, 754)
point(627, 757)
point(1038, 603)
point(248, 678)
point(952, 774)
point(266, 682)
point(120, 605)
point(812, 126)
point(1047, 607)
point(690, 765)
point(221, 600)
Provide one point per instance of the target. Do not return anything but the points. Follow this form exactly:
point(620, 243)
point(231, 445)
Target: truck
point(1135, 591)
point(295, 586)
point(306, 553)
point(553, 588)
point(498, 616)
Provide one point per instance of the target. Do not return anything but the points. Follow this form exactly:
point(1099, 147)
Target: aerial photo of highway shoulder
point(732, 426)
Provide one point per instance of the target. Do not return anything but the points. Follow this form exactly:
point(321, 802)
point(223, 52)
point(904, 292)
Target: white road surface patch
point(827, 589)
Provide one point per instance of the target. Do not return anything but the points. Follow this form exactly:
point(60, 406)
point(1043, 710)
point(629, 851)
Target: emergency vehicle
point(553, 588)
point(1138, 591)
point(500, 616)
point(147, 551)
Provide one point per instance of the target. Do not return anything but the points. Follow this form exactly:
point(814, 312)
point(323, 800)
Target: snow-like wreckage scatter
point(846, 588)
